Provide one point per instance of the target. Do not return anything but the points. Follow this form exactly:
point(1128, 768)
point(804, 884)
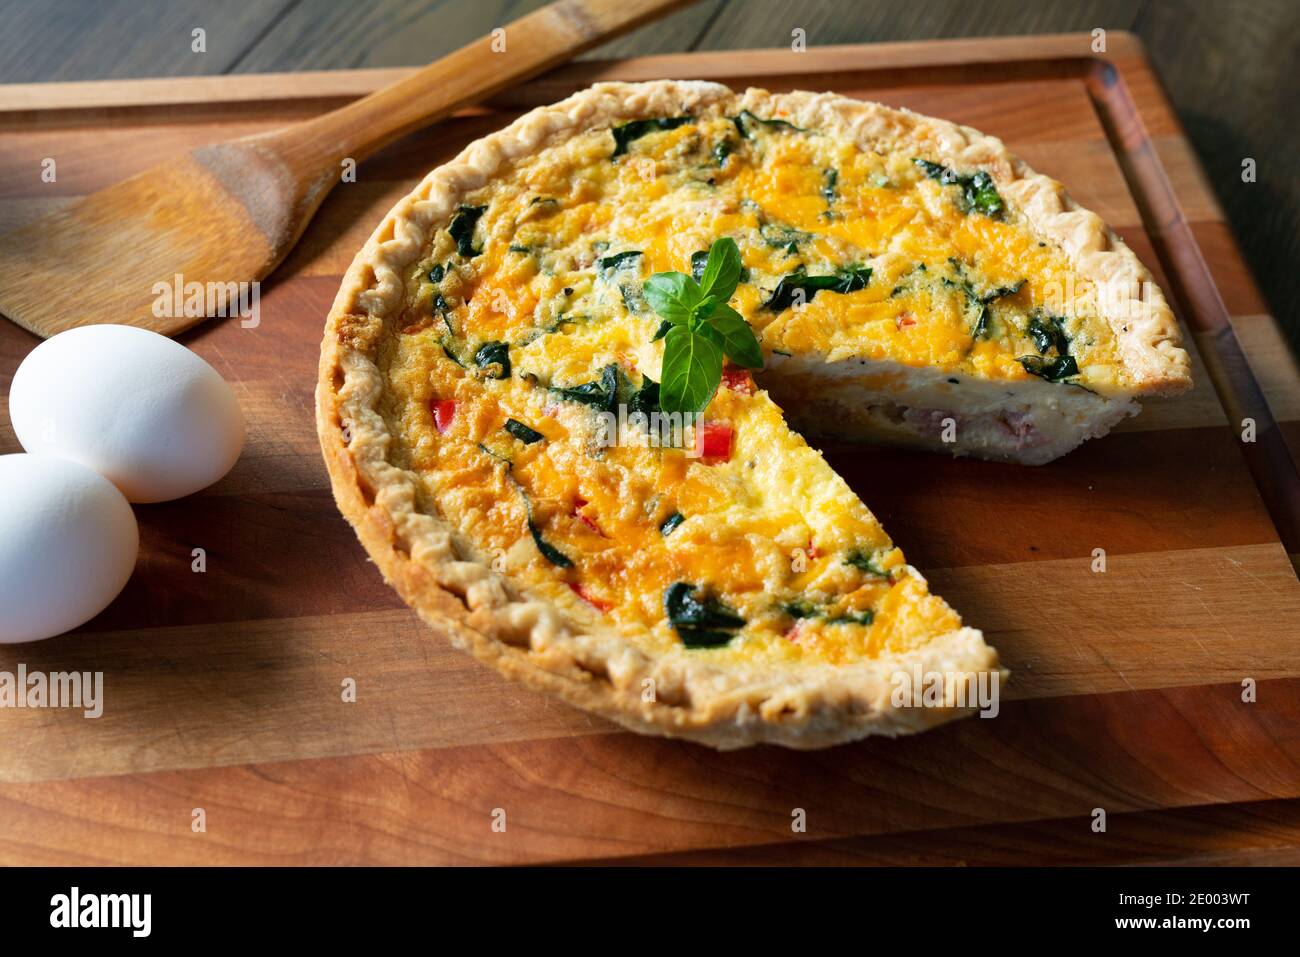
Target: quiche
point(492, 392)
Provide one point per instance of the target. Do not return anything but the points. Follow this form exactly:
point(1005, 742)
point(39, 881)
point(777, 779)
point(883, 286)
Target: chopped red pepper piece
point(715, 442)
point(579, 503)
point(904, 319)
point(444, 410)
point(738, 380)
point(593, 602)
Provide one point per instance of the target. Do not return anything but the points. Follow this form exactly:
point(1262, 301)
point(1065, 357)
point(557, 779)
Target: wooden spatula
point(229, 213)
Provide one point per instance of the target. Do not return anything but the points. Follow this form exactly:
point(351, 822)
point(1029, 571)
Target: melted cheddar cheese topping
point(526, 327)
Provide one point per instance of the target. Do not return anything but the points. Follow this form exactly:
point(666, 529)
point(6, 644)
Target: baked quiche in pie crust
point(908, 281)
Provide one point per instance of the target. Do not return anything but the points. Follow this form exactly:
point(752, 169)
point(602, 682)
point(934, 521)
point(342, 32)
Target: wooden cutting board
point(223, 688)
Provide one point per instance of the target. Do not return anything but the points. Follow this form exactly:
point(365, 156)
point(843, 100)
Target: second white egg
point(143, 411)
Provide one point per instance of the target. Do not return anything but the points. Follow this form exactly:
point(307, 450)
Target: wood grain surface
point(223, 689)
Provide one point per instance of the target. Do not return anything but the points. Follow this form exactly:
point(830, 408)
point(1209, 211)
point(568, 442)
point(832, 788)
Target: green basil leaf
point(692, 369)
point(703, 309)
point(721, 270)
point(673, 295)
point(700, 259)
point(735, 337)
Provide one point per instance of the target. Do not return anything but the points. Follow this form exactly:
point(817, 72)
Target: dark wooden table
point(1230, 66)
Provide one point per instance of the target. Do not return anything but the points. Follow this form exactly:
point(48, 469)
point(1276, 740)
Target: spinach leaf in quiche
point(549, 551)
point(699, 623)
point(494, 359)
point(645, 399)
point(977, 190)
point(700, 258)
point(671, 522)
point(779, 236)
point(522, 432)
point(830, 179)
point(866, 563)
point(462, 229)
point(601, 395)
point(801, 287)
point(982, 196)
point(803, 609)
point(978, 303)
point(799, 609)
point(851, 618)
point(1001, 292)
point(748, 124)
point(608, 265)
point(1053, 370)
point(443, 311)
point(1048, 333)
point(633, 296)
point(439, 303)
point(627, 132)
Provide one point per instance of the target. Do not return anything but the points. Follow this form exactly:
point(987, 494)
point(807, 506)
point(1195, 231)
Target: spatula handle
point(530, 45)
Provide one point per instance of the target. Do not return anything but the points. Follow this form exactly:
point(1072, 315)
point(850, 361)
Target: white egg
point(143, 411)
point(68, 542)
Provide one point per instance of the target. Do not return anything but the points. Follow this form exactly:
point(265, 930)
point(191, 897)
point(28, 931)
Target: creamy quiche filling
point(528, 318)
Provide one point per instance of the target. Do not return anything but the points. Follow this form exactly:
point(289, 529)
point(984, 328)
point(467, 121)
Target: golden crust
point(590, 666)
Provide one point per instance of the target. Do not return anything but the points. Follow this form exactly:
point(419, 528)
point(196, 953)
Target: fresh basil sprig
point(699, 328)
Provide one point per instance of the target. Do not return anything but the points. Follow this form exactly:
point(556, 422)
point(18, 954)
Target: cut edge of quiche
point(526, 608)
